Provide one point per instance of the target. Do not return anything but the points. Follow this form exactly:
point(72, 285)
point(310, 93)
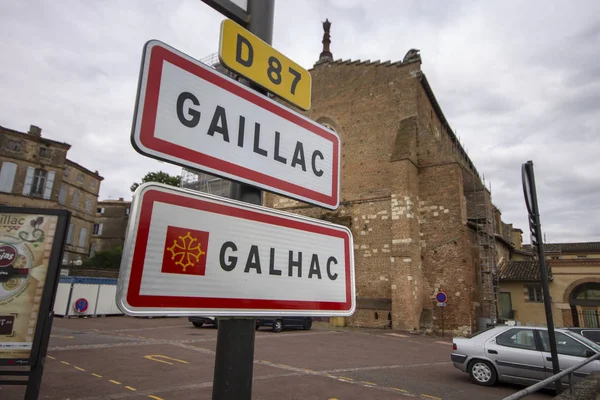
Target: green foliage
point(161, 177)
point(105, 259)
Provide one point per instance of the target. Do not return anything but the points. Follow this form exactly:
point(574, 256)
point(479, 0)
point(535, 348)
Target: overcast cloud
point(517, 81)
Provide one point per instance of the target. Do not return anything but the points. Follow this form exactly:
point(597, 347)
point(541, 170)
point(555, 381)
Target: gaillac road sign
point(189, 114)
point(190, 253)
point(248, 55)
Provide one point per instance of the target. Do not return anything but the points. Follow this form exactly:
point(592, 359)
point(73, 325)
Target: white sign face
point(191, 115)
point(189, 253)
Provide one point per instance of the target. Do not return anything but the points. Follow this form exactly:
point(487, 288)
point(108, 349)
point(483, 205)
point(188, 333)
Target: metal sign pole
point(536, 230)
point(443, 322)
point(234, 359)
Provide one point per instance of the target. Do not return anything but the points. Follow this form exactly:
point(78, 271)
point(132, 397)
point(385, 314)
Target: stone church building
point(422, 217)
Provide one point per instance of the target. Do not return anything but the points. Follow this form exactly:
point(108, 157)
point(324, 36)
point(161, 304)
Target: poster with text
point(25, 245)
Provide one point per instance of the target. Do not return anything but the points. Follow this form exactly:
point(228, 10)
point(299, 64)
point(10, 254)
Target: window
point(98, 229)
point(100, 210)
point(555, 257)
point(92, 183)
point(35, 182)
point(88, 204)
point(67, 171)
point(70, 234)
point(44, 152)
point(92, 249)
point(127, 211)
point(82, 237)
point(75, 202)
point(14, 145)
point(535, 293)
point(584, 256)
point(7, 176)
point(517, 337)
point(564, 345)
point(62, 194)
point(80, 177)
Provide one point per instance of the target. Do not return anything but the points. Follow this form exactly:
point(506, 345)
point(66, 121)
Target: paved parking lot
point(169, 359)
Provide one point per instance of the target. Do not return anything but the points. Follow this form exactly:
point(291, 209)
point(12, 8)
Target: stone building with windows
point(112, 217)
point(421, 214)
point(35, 172)
point(574, 283)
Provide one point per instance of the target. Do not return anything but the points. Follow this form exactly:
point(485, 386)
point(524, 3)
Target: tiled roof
point(581, 247)
point(36, 138)
point(519, 271)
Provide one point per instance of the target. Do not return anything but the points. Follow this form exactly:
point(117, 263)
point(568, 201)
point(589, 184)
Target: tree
point(161, 177)
point(105, 259)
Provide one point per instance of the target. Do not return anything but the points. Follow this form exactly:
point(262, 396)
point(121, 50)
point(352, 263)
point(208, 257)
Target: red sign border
point(147, 200)
point(158, 53)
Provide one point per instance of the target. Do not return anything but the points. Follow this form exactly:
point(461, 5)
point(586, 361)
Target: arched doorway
point(585, 305)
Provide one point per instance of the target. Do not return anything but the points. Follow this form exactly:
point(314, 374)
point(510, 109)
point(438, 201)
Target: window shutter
point(7, 176)
point(82, 237)
point(28, 181)
point(62, 194)
point(70, 234)
point(100, 229)
point(49, 184)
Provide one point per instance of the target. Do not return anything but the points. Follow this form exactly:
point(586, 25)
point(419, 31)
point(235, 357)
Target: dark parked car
point(199, 321)
point(591, 333)
point(280, 323)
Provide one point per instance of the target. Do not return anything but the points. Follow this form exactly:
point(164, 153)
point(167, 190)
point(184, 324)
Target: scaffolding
point(485, 224)
point(203, 182)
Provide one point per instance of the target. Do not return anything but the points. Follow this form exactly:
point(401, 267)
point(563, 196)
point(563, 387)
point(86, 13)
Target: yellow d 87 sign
point(249, 56)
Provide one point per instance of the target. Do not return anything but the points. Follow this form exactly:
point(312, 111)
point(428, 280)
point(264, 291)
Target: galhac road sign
point(248, 55)
point(189, 114)
point(189, 253)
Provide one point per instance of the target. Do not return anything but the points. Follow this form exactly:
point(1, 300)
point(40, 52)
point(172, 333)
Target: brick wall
point(404, 196)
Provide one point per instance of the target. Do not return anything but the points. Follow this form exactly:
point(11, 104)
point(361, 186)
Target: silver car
point(520, 354)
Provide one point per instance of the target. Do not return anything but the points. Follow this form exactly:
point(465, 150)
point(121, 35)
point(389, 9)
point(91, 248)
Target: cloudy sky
point(517, 81)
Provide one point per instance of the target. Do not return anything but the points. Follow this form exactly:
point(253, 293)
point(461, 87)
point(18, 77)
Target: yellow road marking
point(400, 390)
point(155, 397)
point(154, 357)
point(115, 382)
point(431, 397)
point(97, 376)
point(368, 383)
point(80, 369)
point(440, 342)
point(66, 363)
point(62, 337)
point(130, 388)
point(50, 357)
point(396, 334)
point(346, 379)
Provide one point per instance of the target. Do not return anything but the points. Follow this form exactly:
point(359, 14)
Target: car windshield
point(585, 340)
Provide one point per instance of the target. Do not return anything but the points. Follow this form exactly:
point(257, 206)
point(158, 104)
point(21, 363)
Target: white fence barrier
point(86, 296)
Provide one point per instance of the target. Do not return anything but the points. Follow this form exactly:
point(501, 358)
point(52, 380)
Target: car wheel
point(307, 325)
point(482, 373)
point(278, 325)
point(197, 324)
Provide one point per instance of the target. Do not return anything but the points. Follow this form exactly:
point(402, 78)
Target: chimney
point(326, 55)
point(120, 199)
point(35, 130)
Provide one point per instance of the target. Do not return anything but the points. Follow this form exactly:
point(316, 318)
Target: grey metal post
point(234, 359)
point(536, 228)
